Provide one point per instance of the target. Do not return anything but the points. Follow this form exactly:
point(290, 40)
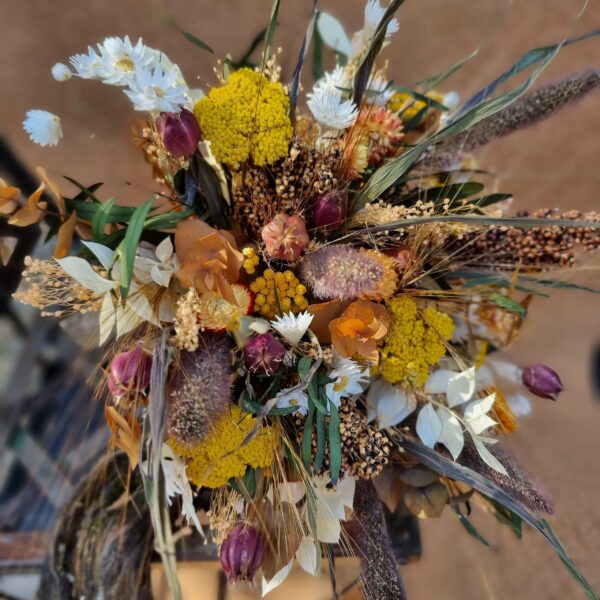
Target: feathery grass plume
point(529, 110)
point(380, 576)
point(518, 484)
point(342, 272)
point(199, 389)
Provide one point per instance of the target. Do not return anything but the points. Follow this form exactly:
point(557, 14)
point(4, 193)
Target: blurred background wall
point(554, 164)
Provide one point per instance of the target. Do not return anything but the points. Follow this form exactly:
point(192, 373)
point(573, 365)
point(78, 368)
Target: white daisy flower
point(350, 379)
point(289, 397)
point(43, 127)
point(61, 72)
point(153, 90)
point(292, 327)
point(87, 66)
point(120, 59)
point(329, 109)
point(379, 91)
point(373, 14)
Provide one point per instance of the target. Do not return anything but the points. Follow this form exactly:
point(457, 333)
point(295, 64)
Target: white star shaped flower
point(292, 327)
point(349, 378)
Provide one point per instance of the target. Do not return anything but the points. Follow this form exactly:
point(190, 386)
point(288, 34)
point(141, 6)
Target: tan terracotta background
point(553, 164)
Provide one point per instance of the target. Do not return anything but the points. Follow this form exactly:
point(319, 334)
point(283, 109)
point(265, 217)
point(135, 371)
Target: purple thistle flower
point(542, 381)
point(263, 353)
point(180, 132)
point(346, 273)
point(242, 552)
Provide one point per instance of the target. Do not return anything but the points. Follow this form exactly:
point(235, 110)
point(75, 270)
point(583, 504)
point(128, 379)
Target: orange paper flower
point(210, 261)
point(358, 329)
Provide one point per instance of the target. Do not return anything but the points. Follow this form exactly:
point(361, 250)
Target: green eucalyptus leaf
point(307, 437)
point(469, 527)
point(129, 245)
point(335, 442)
point(507, 303)
point(190, 37)
point(321, 440)
point(100, 217)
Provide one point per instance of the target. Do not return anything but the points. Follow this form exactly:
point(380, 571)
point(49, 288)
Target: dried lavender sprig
point(526, 111)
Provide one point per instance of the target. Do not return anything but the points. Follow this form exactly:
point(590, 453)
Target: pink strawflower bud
point(330, 210)
point(542, 381)
point(285, 237)
point(242, 552)
point(129, 371)
point(180, 132)
point(263, 353)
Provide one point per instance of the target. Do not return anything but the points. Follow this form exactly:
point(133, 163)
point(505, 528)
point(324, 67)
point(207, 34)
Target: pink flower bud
point(285, 237)
point(180, 132)
point(542, 381)
point(242, 552)
point(330, 210)
point(263, 353)
point(129, 371)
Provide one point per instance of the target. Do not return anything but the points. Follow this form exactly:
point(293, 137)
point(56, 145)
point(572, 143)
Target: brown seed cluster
point(288, 186)
point(365, 449)
point(536, 249)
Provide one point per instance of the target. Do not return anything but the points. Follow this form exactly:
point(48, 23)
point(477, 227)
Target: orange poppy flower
point(358, 329)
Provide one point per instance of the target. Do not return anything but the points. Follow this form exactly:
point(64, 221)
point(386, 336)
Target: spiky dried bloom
point(345, 273)
point(199, 389)
point(287, 186)
point(518, 484)
point(537, 249)
point(46, 286)
point(285, 237)
point(526, 111)
point(383, 130)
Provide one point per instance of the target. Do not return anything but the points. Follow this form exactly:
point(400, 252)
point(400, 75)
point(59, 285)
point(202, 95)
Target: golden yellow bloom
point(413, 343)
point(278, 292)
point(221, 456)
point(247, 117)
point(251, 260)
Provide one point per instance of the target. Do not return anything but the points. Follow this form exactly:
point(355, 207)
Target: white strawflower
point(61, 72)
point(328, 107)
point(292, 327)
point(153, 90)
point(43, 127)
point(120, 59)
point(379, 91)
point(87, 66)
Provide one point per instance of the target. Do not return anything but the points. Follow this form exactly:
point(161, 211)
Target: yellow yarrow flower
point(247, 117)
point(413, 343)
point(221, 456)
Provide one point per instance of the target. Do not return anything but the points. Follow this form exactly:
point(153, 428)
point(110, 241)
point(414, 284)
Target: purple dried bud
point(542, 381)
point(242, 552)
point(330, 210)
point(129, 371)
point(180, 132)
point(263, 353)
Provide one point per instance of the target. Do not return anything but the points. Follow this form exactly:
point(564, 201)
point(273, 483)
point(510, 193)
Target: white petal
point(276, 581)
point(291, 491)
point(161, 275)
point(507, 370)
point(488, 458)
point(104, 254)
point(164, 250)
point(388, 404)
point(328, 528)
point(43, 127)
point(107, 318)
point(333, 34)
point(476, 414)
point(461, 387)
point(519, 404)
point(307, 555)
point(429, 426)
point(81, 271)
point(438, 381)
point(346, 488)
point(452, 434)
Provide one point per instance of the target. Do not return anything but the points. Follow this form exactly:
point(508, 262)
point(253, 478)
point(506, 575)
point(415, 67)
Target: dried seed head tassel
point(380, 576)
point(526, 111)
point(199, 389)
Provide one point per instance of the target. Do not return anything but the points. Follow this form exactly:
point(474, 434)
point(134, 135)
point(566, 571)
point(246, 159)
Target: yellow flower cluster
point(413, 344)
point(251, 260)
point(246, 117)
point(221, 456)
point(410, 107)
point(278, 292)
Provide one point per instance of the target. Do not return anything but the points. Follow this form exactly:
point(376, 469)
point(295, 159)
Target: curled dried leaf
point(426, 502)
point(126, 434)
